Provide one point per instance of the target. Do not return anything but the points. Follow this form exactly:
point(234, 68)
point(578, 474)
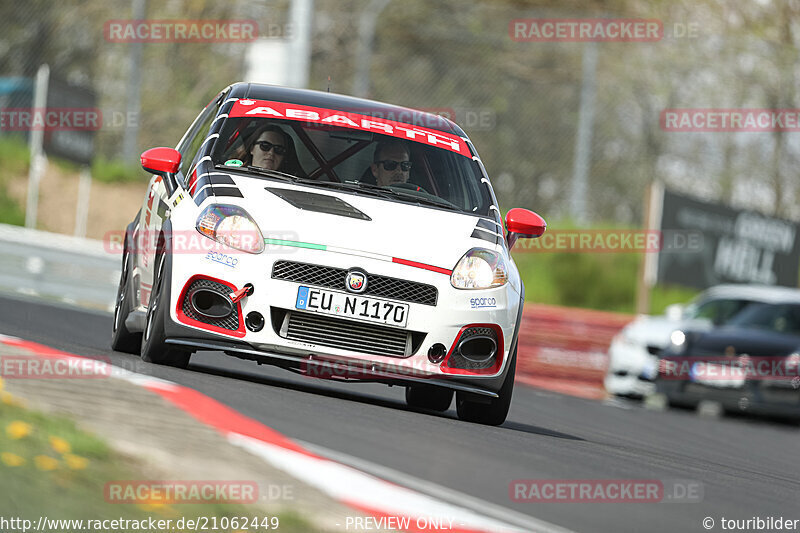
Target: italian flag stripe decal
point(295, 244)
point(406, 262)
point(422, 265)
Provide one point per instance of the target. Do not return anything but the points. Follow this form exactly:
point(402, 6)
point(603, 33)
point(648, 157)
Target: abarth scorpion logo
point(356, 281)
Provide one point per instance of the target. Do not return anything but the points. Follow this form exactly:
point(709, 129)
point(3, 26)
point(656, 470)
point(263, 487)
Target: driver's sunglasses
point(266, 146)
point(388, 164)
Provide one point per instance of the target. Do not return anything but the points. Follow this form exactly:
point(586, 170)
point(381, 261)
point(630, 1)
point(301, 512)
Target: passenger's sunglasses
point(388, 164)
point(266, 146)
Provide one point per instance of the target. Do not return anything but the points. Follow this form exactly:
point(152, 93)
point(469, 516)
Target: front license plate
point(718, 376)
point(350, 306)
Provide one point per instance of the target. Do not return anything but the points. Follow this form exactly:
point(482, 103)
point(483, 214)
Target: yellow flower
point(43, 462)
point(11, 459)
point(75, 462)
point(60, 445)
point(18, 430)
point(1, 383)
point(150, 506)
point(9, 399)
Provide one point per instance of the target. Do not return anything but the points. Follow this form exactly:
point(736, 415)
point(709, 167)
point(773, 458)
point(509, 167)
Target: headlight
point(231, 226)
point(479, 269)
point(677, 342)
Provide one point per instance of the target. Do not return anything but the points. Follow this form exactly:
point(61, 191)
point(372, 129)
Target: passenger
point(272, 148)
point(391, 162)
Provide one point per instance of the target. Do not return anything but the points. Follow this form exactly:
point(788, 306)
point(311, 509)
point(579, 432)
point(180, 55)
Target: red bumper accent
point(498, 362)
point(239, 333)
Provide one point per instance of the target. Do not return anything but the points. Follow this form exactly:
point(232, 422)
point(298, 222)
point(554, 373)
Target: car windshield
point(781, 318)
point(717, 311)
point(357, 161)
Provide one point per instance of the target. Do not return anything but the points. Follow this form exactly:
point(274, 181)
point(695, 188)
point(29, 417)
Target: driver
point(272, 148)
point(391, 162)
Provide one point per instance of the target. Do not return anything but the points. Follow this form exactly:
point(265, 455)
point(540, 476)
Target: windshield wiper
point(405, 196)
point(271, 173)
point(262, 171)
point(345, 186)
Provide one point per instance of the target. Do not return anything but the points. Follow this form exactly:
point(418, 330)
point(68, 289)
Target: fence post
point(82, 208)
point(35, 139)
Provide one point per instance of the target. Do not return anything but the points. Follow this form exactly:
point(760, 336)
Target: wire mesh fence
point(523, 96)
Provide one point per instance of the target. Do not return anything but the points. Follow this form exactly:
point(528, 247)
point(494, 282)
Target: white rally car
point(332, 236)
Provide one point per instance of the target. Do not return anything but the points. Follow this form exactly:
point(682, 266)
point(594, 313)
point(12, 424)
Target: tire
point(495, 412)
point(429, 397)
point(154, 349)
point(682, 406)
point(122, 339)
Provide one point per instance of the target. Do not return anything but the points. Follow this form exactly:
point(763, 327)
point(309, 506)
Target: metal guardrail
point(58, 267)
point(555, 342)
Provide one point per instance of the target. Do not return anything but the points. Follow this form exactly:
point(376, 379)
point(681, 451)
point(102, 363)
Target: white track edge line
point(429, 488)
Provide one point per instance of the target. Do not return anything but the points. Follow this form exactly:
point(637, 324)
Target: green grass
point(14, 155)
point(28, 491)
point(14, 160)
point(10, 210)
point(603, 281)
point(114, 171)
point(662, 296)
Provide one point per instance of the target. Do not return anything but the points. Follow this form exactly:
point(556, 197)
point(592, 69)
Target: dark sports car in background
point(750, 365)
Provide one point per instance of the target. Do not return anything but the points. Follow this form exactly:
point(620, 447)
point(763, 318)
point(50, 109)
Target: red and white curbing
point(368, 494)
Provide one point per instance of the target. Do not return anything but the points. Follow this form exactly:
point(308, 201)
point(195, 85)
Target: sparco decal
point(480, 303)
point(263, 108)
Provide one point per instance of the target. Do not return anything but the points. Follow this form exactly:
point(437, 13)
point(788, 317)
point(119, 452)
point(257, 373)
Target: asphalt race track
point(747, 468)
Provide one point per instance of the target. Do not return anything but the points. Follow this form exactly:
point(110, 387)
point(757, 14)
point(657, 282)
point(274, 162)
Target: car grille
point(334, 278)
point(346, 334)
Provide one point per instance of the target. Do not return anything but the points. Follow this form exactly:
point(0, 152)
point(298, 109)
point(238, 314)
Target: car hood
point(655, 330)
point(754, 342)
point(360, 223)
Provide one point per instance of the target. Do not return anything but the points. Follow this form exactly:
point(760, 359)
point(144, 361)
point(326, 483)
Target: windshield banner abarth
point(356, 121)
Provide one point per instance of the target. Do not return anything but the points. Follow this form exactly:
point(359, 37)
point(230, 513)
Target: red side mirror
point(525, 223)
point(161, 160)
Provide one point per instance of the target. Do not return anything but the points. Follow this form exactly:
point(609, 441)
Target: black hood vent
point(319, 203)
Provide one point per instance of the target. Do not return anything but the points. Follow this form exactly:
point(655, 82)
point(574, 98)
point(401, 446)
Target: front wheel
point(495, 412)
point(122, 339)
point(429, 397)
point(154, 349)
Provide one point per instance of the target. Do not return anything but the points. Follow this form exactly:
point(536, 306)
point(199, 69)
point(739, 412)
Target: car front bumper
point(275, 299)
